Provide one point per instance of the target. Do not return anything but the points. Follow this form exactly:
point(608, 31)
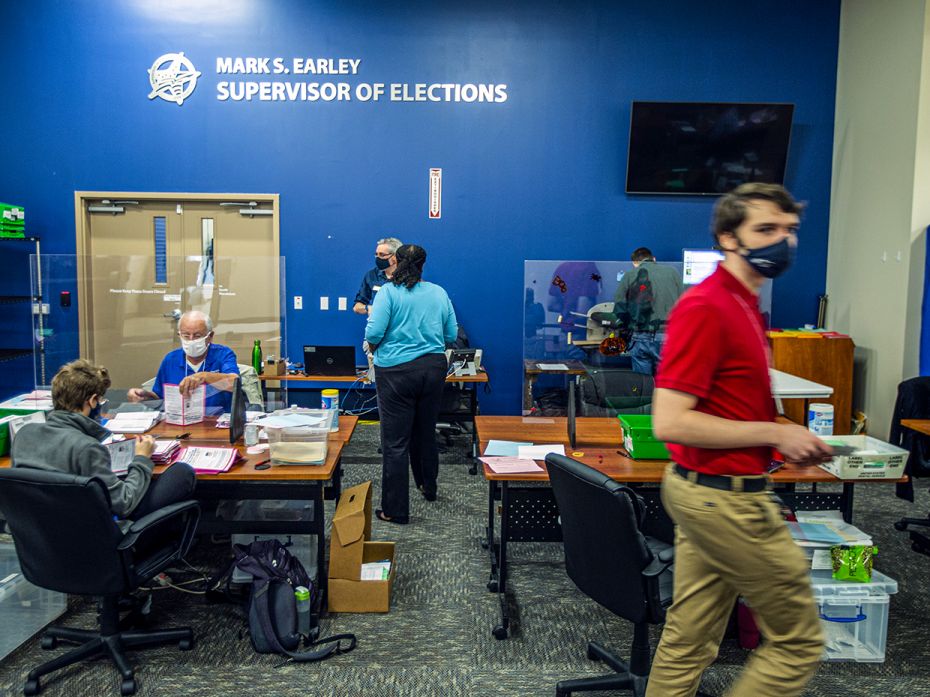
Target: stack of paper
point(817, 531)
point(511, 465)
point(165, 451)
point(38, 400)
point(376, 570)
point(209, 460)
point(133, 421)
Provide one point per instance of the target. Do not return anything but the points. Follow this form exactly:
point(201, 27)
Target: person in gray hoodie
point(70, 441)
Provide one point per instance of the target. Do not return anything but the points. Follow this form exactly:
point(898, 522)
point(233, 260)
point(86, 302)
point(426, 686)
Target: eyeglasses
point(193, 337)
point(383, 255)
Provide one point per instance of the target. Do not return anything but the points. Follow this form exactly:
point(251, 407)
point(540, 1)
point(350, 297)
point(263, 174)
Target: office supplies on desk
point(209, 460)
point(511, 465)
point(165, 450)
point(503, 448)
point(539, 452)
point(183, 410)
point(132, 421)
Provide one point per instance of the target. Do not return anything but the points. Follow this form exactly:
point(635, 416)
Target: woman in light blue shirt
point(410, 322)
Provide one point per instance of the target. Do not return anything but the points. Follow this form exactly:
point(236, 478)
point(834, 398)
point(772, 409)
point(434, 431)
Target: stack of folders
point(208, 460)
point(165, 451)
point(816, 531)
point(133, 421)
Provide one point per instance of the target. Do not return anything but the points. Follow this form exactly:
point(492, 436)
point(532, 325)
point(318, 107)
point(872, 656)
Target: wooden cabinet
point(827, 361)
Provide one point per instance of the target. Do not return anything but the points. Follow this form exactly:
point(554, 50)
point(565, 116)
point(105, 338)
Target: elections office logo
point(173, 78)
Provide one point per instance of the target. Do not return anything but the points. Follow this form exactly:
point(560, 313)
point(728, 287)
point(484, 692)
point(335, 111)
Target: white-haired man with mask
point(385, 263)
point(198, 362)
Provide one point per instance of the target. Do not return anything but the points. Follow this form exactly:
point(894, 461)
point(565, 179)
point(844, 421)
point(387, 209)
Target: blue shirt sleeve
point(379, 317)
point(450, 326)
point(228, 362)
point(160, 377)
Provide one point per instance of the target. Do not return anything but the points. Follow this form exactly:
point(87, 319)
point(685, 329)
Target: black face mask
point(770, 261)
point(382, 264)
point(97, 411)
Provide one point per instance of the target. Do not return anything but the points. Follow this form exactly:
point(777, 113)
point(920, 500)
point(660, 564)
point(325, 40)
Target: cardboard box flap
point(352, 520)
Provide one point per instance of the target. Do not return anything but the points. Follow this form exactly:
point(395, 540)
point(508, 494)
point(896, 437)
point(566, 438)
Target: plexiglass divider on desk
point(122, 312)
point(572, 332)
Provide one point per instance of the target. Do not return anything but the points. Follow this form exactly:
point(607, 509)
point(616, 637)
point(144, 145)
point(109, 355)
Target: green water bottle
point(257, 357)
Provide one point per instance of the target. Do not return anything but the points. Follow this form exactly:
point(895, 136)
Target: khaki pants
point(730, 543)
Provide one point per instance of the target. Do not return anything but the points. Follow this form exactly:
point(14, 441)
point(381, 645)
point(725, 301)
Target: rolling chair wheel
point(48, 643)
point(500, 632)
point(32, 687)
point(128, 687)
point(900, 525)
point(186, 644)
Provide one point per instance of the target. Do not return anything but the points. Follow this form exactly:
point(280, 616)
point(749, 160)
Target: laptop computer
point(329, 360)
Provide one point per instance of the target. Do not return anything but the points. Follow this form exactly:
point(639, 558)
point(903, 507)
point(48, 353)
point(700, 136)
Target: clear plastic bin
point(300, 445)
point(24, 608)
point(854, 615)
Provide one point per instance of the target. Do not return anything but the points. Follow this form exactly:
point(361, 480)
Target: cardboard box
point(347, 595)
point(349, 548)
point(273, 368)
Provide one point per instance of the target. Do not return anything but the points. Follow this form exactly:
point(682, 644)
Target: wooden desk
point(528, 512)
point(919, 425)
point(531, 371)
point(244, 482)
point(472, 381)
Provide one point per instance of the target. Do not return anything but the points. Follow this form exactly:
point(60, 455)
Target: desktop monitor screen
point(698, 264)
point(237, 413)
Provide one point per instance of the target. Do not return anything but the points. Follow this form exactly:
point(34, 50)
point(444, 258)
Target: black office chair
point(610, 391)
point(67, 541)
point(913, 402)
point(612, 562)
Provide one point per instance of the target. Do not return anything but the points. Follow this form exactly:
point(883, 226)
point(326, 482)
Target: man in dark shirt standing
point(385, 263)
point(713, 404)
point(644, 298)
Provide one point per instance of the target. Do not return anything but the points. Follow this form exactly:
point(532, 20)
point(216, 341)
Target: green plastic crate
point(638, 438)
point(5, 429)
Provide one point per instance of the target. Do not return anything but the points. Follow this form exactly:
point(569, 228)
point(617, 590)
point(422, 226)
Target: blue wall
point(540, 176)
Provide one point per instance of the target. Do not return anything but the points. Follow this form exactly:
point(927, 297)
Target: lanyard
point(760, 335)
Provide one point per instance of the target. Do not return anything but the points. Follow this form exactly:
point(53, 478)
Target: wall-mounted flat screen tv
point(706, 148)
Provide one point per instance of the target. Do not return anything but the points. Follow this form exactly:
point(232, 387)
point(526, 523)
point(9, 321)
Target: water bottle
point(257, 357)
point(302, 594)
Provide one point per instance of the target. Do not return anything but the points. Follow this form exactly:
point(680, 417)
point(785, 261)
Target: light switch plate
point(298, 302)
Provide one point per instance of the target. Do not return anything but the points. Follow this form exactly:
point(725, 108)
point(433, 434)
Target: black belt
point(718, 481)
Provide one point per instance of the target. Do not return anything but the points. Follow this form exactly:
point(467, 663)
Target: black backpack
point(640, 302)
point(272, 606)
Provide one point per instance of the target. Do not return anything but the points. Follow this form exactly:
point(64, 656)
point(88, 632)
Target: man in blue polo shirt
point(198, 362)
point(385, 263)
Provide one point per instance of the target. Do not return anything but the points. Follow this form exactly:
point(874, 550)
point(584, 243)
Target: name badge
point(375, 289)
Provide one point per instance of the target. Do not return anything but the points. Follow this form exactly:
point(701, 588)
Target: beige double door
point(144, 258)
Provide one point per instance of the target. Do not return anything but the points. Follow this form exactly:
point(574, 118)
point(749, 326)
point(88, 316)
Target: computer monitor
point(698, 264)
point(329, 360)
point(237, 413)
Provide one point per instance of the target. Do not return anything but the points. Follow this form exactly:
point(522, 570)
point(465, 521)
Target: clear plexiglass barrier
point(590, 327)
point(122, 312)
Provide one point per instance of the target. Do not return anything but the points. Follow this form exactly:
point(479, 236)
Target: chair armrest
point(660, 562)
point(139, 527)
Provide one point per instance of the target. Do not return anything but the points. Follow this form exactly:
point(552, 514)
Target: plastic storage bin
point(25, 609)
point(638, 438)
point(854, 616)
point(301, 445)
point(876, 459)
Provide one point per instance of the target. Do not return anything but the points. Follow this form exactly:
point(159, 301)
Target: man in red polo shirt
point(714, 406)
